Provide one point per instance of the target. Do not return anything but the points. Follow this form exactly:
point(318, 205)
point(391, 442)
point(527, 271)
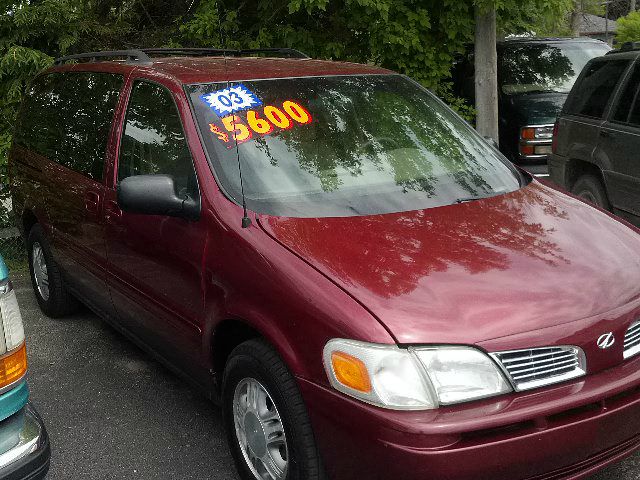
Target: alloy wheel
point(40, 272)
point(259, 430)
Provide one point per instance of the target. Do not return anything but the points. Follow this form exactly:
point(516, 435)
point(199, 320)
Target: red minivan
point(368, 288)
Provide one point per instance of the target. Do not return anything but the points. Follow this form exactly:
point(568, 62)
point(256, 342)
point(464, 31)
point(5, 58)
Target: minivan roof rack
point(203, 52)
point(132, 56)
point(142, 56)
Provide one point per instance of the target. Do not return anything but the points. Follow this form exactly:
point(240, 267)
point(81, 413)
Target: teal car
point(24, 444)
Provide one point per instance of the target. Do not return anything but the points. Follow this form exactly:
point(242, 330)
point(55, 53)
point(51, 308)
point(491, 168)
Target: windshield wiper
point(471, 199)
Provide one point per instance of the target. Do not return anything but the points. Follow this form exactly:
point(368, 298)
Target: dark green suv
point(596, 140)
point(535, 76)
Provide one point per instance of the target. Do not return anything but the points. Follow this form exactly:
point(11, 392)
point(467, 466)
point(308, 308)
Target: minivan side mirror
point(155, 195)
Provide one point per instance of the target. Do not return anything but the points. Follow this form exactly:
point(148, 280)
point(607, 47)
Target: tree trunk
point(576, 16)
point(486, 66)
point(632, 6)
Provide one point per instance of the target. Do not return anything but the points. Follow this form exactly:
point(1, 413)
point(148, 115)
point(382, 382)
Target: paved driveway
point(111, 411)
point(114, 413)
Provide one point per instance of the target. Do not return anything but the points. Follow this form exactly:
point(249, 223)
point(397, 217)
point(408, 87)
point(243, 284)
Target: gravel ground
point(112, 412)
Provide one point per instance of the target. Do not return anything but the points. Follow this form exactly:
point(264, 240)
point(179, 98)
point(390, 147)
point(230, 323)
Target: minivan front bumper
point(24, 446)
point(567, 431)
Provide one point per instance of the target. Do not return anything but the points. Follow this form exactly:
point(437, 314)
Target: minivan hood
point(471, 272)
point(534, 109)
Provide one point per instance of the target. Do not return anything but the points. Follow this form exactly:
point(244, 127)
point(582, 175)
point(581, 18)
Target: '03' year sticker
point(231, 99)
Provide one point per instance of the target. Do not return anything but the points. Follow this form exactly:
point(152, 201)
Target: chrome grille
point(536, 367)
point(632, 340)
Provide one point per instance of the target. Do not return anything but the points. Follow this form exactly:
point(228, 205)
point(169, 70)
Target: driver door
point(154, 261)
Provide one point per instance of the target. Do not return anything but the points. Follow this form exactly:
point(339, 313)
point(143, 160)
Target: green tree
point(420, 38)
point(27, 31)
point(629, 28)
point(34, 32)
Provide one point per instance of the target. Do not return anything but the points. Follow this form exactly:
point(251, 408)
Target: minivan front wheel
point(259, 430)
point(590, 188)
point(265, 417)
point(48, 285)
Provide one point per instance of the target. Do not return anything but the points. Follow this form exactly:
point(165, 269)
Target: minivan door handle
point(92, 202)
point(112, 211)
point(607, 134)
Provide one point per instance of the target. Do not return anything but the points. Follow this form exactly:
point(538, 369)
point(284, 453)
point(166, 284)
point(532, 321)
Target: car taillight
point(554, 138)
point(13, 356)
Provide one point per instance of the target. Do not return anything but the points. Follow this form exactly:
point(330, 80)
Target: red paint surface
point(520, 262)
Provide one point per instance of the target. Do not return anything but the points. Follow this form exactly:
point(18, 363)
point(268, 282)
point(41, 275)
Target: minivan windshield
point(544, 67)
point(343, 146)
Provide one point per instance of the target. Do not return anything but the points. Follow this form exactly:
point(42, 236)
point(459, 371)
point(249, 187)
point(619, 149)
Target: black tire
point(255, 359)
point(59, 301)
point(590, 188)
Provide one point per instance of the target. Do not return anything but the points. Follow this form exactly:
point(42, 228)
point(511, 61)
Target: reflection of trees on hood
point(542, 65)
point(412, 245)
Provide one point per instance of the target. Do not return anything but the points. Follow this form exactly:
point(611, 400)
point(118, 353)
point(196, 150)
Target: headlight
point(411, 379)
point(460, 374)
point(11, 319)
point(384, 375)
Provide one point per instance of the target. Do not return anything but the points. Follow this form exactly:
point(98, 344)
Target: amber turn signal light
point(13, 366)
point(351, 372)
point(528, 133)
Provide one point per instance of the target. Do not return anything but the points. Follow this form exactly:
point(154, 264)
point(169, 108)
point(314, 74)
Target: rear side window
point(153, 141)
point(634, 115)
point(628, 97)
point(67, 118)
point(591, 95)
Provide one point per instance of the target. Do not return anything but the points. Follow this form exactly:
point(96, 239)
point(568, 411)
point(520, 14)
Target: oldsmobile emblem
point(606, 340)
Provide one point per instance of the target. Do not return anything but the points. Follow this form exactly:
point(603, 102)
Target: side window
point(591, 95)
point(634, 115)
point(35, 129)
point(67, 117)
point(628, 97)
point(153, 141)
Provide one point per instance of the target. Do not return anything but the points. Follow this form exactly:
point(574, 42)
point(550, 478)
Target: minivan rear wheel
point(590, 188)
point(265, 418)
point(48, 285)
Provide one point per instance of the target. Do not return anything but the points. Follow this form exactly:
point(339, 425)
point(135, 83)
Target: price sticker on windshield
point(231, 99)
point(260, 122)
